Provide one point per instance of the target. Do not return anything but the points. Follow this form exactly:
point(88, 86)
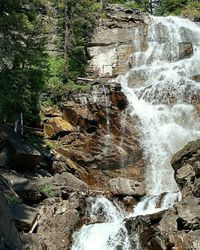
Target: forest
point(29, 74)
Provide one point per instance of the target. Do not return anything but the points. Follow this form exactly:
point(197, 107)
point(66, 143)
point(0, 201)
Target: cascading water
point(160, 90)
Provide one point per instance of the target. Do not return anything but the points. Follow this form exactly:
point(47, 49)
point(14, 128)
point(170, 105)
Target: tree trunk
point(66, 40)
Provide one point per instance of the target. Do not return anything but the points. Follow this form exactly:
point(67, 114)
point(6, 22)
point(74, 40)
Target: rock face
point(187, 169)
point(16, 152)
point(112, 41)
point(58, 219)
point(104, 142)
point(9, 236)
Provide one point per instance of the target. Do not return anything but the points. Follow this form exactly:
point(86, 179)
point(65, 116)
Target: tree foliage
point(22, 58)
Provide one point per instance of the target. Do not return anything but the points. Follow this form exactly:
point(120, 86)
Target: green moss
point(71, 85)
point(50, 144)
point(47, 190)
point(13, 199)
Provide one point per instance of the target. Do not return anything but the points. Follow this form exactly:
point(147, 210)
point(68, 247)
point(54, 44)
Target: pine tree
point(22, 59)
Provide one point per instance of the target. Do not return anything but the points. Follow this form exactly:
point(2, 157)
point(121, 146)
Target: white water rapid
point(160, 90)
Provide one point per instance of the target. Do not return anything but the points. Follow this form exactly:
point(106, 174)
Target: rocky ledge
point(89, 146)
point(112, 44)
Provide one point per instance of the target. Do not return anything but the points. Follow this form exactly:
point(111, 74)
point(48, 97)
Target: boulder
point(58, 220)
point(68, 180)
point(144, 235)
point(16, 152)
point(190, 152)
point(189, 214)
point(196, 78)
point(185, 175)
point(24, 216)
point(57, 125)
point(123, 186)
point(33, 191)
point(187, 168)
point(185, 50)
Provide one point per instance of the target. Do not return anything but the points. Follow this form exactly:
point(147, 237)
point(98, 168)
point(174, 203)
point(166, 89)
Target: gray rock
point(16, 152)
point(9, 236)
point(123, 186)
point(189, 214)
point(141, 228)
point(69, 180)
point(24, 216)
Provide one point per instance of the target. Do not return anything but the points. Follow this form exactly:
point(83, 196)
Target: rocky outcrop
point(144, 235)
point(9, 236)
point(111, 44)
point(16, 152)
point(104, 141)
point(49, 222)
point(57, 220)
point(187, 169)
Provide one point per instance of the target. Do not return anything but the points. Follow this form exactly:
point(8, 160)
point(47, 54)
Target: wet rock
point(95, 145)
point(143, 233)
point(185, 50)
point(129, 201)
point(16, 152)
point(196, 78)
point(123, 186)
point(81, 117)
point(197, 19)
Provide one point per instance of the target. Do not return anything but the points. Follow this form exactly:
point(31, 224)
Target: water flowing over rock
point(105, 140)
point(164, 96)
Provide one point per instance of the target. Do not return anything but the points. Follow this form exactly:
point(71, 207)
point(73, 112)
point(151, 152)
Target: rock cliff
point(112, 42)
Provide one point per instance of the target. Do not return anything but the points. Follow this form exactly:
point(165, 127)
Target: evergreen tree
point(22, 59)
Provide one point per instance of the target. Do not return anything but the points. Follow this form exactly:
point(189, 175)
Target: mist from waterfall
point(161, 94)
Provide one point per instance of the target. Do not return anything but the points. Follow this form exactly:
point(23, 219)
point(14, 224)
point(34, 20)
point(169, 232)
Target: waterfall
point(122, 132)
point(167, 119)
point(101, 236)
point(161, 93)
